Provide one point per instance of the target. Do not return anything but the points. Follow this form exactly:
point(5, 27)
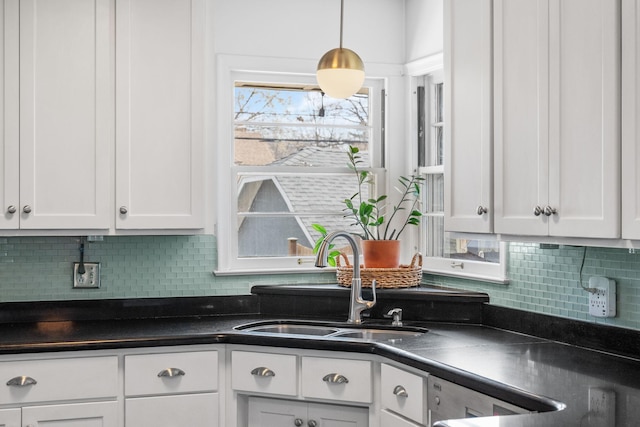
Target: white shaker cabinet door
point(557, 96)
point(10, 417)
point(66, 113)
point(173, 410)
point(630, 119)
point(9, 115)
point(468, 116)
point(93, 414)
point(159, 114)
point(520, 116)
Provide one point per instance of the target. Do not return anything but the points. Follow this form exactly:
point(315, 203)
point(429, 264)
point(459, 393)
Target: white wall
point(424, 29)
point(306, 29)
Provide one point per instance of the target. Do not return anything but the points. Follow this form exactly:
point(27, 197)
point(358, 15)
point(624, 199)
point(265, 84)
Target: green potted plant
point(374, 219)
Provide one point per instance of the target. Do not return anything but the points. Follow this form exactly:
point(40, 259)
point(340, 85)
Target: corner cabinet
point(159, 114)
point(468, 116)
point(557, 118)
point(57, 115)
point(631, 119)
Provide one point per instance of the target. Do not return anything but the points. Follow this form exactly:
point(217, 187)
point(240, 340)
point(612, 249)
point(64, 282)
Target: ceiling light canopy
point(340, 71)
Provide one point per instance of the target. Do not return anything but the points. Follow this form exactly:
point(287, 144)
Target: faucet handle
point(396, 313)
point(373, 292)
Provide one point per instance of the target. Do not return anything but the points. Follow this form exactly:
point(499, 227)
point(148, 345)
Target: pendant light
point(340, 71)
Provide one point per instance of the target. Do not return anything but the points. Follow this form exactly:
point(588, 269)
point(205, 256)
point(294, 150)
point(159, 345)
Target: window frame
point(484, 271)
point(269, 70)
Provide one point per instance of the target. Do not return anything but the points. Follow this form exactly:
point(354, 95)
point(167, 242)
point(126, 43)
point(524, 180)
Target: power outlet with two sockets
point(602, 297)
point(90, 278)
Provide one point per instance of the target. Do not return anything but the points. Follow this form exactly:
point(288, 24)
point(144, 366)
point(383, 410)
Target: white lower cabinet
point(169, 389)
point(266, 412)
point(10, 417)
point(389, 419)
point(403, 393)
point(174, 410)
point(94, 414)
point(33, 383)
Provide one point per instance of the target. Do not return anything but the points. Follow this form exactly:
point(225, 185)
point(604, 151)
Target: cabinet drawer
point(387, 419)
point(264, 372)
point(59, 379)
point(403, 392)
point(165, 373)
point(337, 379)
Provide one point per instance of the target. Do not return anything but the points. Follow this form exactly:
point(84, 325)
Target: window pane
point(273, 126)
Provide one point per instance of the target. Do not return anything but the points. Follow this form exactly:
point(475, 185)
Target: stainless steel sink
point(377, 334)
point(288, 328)
point(330, 329)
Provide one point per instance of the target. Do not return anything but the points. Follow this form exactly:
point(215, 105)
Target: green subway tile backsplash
point(40, 268)
point(540, 280)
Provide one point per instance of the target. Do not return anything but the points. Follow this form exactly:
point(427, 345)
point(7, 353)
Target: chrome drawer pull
point(400, 391)
point(335, 379)
point(263, 372)
point(171, 372)
point(21, 381)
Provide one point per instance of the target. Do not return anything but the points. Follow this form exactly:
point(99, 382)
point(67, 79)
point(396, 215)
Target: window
point(289, 168)
point(448, 253)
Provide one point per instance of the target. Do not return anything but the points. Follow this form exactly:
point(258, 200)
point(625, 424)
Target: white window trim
point(483, 271)
point(229, 69)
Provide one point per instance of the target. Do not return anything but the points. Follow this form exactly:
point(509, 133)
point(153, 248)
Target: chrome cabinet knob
point(26, 209)
point(123, 210)
point(171, 372)
point(335, 379)
point(21, 381)
point(263, 372)
point(548, 211)
point(312, 423)
point(400, 391)
point(11, 209)
point(298, 422)
point(537, 211)
point(481, 210)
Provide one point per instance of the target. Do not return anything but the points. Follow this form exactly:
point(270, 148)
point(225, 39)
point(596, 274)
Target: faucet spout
point(357, 304)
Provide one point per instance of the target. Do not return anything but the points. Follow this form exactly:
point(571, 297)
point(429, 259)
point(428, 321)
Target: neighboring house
point(282, 194)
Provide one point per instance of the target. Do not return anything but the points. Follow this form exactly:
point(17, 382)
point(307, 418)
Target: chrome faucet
point(357, 304)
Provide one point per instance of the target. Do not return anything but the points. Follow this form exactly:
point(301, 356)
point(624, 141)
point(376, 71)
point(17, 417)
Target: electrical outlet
point(602, 302)
point(90, 278)
point(602, 407)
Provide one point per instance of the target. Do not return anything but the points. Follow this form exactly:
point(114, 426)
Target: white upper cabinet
point(468, 116)
point(59, 117)
point(557, 118)
point(630, 119)
point(159, 114)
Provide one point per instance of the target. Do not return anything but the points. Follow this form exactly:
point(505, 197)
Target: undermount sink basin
point(337, 330)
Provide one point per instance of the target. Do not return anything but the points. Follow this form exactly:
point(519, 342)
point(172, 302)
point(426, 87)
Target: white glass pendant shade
point(340, 73)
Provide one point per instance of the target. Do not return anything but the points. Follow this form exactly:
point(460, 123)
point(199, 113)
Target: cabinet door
point(66, 113)
point(337, 416)
point(276, 413)
point(468, 116)
point(159, 125)
point(9, 115)
point(630, 119)
point(521, 115)
point(584, 118)
point(96, 414)
point(172, 411)
point(10, 417)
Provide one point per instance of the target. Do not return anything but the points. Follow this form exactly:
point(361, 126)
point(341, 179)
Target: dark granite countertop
point(518, 368)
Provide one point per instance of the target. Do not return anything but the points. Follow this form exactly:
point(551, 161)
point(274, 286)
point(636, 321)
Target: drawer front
point(337, 379)
point(264, 372)
point(387, 419)
point(403, 392)
point(59, 379)
point(168, 373)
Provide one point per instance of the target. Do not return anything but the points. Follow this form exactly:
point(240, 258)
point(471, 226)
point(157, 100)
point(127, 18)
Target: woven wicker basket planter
point(405, 276)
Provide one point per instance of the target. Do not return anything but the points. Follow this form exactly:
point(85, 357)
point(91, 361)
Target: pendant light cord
point(341, 19)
